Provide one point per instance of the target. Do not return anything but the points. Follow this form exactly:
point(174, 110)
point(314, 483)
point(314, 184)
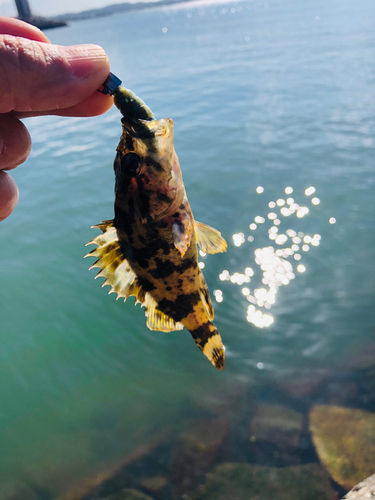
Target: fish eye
point(130, 163)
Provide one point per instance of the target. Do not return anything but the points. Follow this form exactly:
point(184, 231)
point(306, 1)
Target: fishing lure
point(149, 249)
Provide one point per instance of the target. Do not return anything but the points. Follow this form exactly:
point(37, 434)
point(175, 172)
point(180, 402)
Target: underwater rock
point(225, 400)
point(339, 393)
point(365, 490)
point(345, 442)
point(275, 435)
point(278, 425)
point(301, 384)
point(197, 449)
point(154, 483)
point(128, 494)
point(254, 482)
point(360, 357)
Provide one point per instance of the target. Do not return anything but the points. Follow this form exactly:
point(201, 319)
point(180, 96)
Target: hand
point(38, 78)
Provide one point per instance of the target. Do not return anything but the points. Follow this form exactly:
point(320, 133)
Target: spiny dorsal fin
point(156, 320)
point(209, 239)
point(205, 298)
point(113, 265)
point(104, 225)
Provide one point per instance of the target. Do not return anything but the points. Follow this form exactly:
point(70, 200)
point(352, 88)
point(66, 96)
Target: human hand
point(39, 78)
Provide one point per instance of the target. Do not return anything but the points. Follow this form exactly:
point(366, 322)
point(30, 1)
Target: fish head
point(146, 165)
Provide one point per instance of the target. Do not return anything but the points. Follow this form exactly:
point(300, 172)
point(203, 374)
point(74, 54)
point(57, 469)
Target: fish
point(149, 249)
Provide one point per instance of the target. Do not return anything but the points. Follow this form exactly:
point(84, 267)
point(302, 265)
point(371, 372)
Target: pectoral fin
point(209, 239)
point(182, 230)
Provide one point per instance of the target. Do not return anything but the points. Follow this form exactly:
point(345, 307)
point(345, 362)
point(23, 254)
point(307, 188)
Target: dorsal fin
point(156, 320)
point(209, 239)
point(113, 265)
point(121, 278)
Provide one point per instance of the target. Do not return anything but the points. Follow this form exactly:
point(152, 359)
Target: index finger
point(15, 27)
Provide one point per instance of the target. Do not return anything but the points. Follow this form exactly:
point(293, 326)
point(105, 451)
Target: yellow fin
point(156, 320)
point(113, 265)
point(209, 239)
point(205, 298)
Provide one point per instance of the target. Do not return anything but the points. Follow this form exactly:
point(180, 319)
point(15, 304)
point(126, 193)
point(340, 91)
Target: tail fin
point(209, 342)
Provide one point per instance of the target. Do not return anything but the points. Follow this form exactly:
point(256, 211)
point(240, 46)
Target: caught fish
point(149, 249)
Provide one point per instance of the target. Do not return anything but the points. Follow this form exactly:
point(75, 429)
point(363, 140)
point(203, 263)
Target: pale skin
point(39, 78)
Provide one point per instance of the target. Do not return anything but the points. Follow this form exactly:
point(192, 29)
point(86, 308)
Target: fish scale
point(149, 250)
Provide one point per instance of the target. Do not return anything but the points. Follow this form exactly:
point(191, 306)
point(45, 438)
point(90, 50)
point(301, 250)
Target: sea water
point(274, 111)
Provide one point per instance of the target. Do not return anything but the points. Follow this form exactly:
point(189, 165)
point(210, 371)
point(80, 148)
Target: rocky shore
point(310, 438)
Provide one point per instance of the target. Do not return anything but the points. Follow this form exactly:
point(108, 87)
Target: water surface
point(273, 95)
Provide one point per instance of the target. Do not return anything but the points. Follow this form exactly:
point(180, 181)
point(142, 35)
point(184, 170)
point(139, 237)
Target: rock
point(301, 384)
point(128, 494)
point(254, 482)
point(340, 393)
point(275, 435)
point(197, 449)
point(365, 490)
point(360, 356)
point(225, 400)
point(278, 425)
point(154, 483)
point(344, 439)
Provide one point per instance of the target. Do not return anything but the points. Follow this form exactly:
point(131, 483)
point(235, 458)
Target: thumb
point(39, 77)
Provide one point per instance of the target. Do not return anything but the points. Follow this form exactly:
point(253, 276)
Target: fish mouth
point(137, 128)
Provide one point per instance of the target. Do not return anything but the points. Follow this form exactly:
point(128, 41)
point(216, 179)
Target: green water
point(274, 95)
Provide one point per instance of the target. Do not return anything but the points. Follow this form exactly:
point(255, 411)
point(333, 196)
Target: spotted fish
point(149, 249)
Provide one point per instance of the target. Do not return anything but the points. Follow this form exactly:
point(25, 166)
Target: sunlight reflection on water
point(279, 263)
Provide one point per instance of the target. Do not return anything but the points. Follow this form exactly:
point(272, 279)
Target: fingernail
point(2, 147)
point(85, 60)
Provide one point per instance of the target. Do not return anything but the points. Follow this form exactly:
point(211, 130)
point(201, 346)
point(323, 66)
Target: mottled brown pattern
point(153, 230)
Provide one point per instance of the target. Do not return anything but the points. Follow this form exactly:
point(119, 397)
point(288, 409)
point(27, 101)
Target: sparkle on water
point(276, 262)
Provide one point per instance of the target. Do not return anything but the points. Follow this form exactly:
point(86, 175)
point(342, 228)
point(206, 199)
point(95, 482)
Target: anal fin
point(157, 320)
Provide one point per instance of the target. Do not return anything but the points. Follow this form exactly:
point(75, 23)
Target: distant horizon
point(51, 9)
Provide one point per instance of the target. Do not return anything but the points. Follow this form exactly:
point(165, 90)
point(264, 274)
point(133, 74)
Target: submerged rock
point(225, 400)
point(301, 384)
point(345, 442)
point(365, 490)
point(154, 483)
point(233, 481)
point(278, 425)
point(197, 449)
point(128, 494)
